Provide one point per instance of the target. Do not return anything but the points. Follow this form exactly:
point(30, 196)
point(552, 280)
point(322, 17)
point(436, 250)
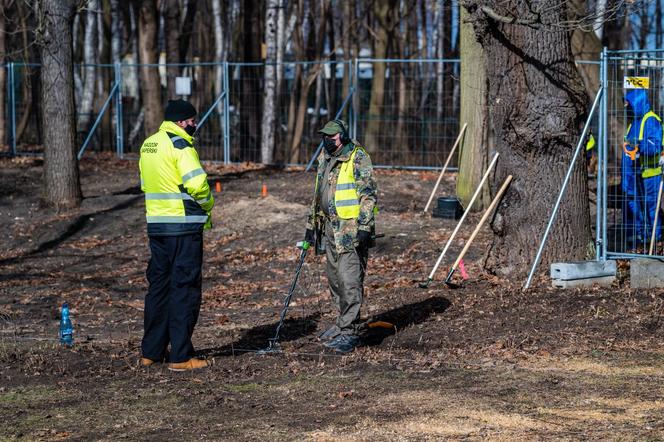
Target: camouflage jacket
point(345, 230)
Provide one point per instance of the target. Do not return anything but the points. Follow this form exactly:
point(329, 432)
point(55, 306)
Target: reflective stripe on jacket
point(346, 199)
point(650, 163)
point(644, 133)
point(178, 200)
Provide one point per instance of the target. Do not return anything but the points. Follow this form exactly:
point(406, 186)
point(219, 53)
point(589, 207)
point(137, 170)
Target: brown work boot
point(191, 364)
point(145, 362)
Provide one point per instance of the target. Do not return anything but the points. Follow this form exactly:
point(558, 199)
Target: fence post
point(227, 127)
point(354, 108)
point(604, 146)
point(12, 107)
point(114, 89)
point(119, 129)
point(599, 204)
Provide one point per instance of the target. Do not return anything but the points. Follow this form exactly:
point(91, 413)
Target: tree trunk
point(3, 75)
point(347, 21)
point(475, 147)
point(269, 84)
point(116, 32)
point(171, 15)
point(440, 53)
point(62, 188)
point(89, 69)
point(384, 13)
point(302, 112)
point(187, 28)
point(537, 106)
point(148, 27)
point(250, 112)
point(219, 57)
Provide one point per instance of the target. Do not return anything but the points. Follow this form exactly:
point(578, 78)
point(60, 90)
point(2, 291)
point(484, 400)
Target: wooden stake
point(449, 157)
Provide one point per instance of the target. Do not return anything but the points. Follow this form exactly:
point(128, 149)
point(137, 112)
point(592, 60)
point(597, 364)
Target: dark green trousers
point(345, 274)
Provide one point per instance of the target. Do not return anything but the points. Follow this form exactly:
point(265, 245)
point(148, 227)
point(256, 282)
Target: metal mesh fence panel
point(245, 94)
point(103, 137)
point(630, 186)
point(143, 107)
point(309, 93)
point(26, 89)
point(407, 110)
point(409, 120)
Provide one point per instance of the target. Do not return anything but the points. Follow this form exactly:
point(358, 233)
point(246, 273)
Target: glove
point(630, 153)
point(208, 223)
point(661, 162)
point(363, 239)
point(309, 236)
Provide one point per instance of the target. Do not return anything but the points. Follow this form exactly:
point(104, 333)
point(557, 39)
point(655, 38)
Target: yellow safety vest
point(650, 163)
point(346, 198)
point(178, 199)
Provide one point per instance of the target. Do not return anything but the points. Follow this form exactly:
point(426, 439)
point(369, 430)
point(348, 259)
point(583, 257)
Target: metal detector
point(273, 343)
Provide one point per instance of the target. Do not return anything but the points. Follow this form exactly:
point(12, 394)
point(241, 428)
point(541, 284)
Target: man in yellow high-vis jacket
point(178, 203)
point(344, 204)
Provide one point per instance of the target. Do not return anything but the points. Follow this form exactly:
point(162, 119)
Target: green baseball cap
point(333, 127)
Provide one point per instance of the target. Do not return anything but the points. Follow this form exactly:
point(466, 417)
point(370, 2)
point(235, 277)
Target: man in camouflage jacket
point(343, 211)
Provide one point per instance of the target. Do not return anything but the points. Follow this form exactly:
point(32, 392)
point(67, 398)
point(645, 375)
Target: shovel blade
point(425, 284)
point(448, 280)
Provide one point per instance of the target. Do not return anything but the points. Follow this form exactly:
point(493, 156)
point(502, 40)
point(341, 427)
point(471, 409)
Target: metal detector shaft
point(463, 217)
point(654, 225)
point(479, 226)
point(275, 340)
point(442, 172)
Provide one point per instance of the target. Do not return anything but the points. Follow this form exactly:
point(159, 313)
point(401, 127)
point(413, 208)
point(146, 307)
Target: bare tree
point(171, 14)
point(270, 80)
point(116, 32)
point(385, 14)
point(148, 29)
point(3, 71)
point(537, 104)
point(89, 69)
point(474, 113)
point(312, 49)
point(219, 55)
point(62, 187)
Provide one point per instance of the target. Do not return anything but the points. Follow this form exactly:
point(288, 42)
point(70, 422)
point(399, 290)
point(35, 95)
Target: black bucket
point(448, 207)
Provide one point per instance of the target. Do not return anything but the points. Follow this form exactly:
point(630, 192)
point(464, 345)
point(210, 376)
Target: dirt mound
point(258, 212)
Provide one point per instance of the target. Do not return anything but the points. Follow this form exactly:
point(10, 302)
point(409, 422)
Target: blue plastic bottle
point(66, 329)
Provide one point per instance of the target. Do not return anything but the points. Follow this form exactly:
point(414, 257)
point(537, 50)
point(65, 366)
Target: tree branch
point(509, 20)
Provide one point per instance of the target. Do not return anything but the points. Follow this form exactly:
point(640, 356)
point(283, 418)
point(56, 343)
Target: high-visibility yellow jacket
point(178, 200)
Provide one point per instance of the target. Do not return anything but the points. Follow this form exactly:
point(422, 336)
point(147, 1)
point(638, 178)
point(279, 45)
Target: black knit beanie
point(179, 110)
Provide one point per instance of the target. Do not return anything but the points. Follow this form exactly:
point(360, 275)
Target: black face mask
point(190, 129)
point(329, 145)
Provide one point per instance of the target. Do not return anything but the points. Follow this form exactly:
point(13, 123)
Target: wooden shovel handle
point(654, 227)
point(442, 172)
point(495, 201)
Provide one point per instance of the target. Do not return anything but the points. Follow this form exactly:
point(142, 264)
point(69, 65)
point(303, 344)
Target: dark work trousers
point(174, 296)
point(345, 274)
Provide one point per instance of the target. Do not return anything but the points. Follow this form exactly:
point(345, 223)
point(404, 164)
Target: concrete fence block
point(646, 273)
point(566, 271)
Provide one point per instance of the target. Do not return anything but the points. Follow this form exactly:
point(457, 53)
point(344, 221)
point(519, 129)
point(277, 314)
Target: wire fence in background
point(410, 122)
point(627, 193)
point(416, 120)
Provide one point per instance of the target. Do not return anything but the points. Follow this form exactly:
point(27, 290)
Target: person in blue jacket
point(642, 165)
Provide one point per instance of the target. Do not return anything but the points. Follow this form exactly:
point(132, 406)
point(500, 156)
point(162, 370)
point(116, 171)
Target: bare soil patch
point(483, 361)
